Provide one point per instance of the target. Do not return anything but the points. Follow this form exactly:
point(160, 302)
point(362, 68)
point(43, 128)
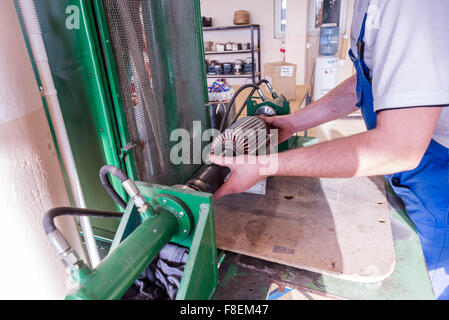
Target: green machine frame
point(180, 216)
point(85, 76)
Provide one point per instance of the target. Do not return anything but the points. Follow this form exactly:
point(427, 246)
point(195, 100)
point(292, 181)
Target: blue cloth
point(424, 190)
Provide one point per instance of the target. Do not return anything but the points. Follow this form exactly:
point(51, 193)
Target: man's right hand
point(284, 124)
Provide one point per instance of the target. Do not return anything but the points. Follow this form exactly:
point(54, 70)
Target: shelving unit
point(255, 50)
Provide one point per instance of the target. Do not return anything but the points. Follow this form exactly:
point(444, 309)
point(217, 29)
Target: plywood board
point(339, 227)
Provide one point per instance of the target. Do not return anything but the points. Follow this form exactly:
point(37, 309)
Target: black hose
point(104, 178)
point(239, 112)
point(50, 215)
point(231, 103)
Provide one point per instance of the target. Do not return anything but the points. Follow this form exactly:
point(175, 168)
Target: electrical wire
point(231, 103)
point(239, 112)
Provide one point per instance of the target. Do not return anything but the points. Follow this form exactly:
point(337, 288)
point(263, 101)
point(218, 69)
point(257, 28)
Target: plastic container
point(329, 37)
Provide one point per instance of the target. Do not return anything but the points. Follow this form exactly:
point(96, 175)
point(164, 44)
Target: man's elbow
point(410, 157)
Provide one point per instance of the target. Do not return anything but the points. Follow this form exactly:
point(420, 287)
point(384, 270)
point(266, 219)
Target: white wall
point(31, 180)
point(297, 11)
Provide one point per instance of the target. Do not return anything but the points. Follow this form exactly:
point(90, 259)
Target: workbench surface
point(347, 238)
point(245, 277)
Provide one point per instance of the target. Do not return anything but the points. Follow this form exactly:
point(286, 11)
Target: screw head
point(181, 214)
point(185, 231)
point(164, 201)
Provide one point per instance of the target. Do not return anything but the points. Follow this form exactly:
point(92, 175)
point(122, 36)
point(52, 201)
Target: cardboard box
point(282, 77)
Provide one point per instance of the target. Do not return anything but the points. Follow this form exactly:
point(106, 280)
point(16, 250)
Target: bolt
point(164, 201)
point(185, 231)
point(181, 214)
point(154, 230)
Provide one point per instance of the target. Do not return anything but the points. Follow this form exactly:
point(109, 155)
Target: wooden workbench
point(339, 227)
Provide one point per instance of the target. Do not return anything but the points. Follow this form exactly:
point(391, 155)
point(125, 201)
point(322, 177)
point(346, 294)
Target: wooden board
point(339, 227)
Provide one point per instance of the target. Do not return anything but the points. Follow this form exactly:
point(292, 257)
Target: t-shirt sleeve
point(411, 53)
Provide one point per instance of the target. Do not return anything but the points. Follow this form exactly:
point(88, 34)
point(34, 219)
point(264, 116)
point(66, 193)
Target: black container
point(207, 22)
point(218, 69)
point(248, 68)
point(211, 69)
point(227, 68)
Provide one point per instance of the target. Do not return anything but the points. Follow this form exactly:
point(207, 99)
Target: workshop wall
point(32, 182)
point(296, 36)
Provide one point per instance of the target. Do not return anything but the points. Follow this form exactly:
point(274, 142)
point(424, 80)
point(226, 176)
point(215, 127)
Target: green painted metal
point(114, 86)
point(77, 68)
point(115, 274)
point(202, 261)
point(280, 105)
point(138, 247)
point(199, 31)
point(180, 210)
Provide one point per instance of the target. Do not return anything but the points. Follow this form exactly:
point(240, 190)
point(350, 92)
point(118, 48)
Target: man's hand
point(284, 124)
point(245, 173)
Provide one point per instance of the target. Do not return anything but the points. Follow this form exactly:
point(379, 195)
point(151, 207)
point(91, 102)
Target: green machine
point(259, 106)
point(128, 73)
point(279, 106)
point(154, 216)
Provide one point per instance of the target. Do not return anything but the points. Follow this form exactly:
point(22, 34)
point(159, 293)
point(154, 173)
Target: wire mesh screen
point(156, 52)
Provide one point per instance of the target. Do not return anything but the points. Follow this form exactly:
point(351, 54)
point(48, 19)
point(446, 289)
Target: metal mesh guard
point(156, 52)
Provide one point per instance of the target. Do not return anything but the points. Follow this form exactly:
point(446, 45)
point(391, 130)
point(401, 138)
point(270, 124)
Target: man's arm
point(397, 144)
point(338, 103)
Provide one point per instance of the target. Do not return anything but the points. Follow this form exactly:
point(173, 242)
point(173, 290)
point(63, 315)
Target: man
point(400, 50)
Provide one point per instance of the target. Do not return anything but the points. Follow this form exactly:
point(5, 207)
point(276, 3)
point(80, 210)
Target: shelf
point(229, 52)
point(242, 26)
point(254, 51)
point(257, 74)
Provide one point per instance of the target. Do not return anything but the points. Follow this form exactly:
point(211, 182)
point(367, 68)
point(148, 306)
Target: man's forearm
point(338, 103)
point(364, 154)
point(395, 145)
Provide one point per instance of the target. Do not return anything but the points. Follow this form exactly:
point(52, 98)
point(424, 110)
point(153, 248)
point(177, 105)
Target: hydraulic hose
point(231, 103)
point(50, 215)
point(69, 257)
point(57, 239)
point(104, 172)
